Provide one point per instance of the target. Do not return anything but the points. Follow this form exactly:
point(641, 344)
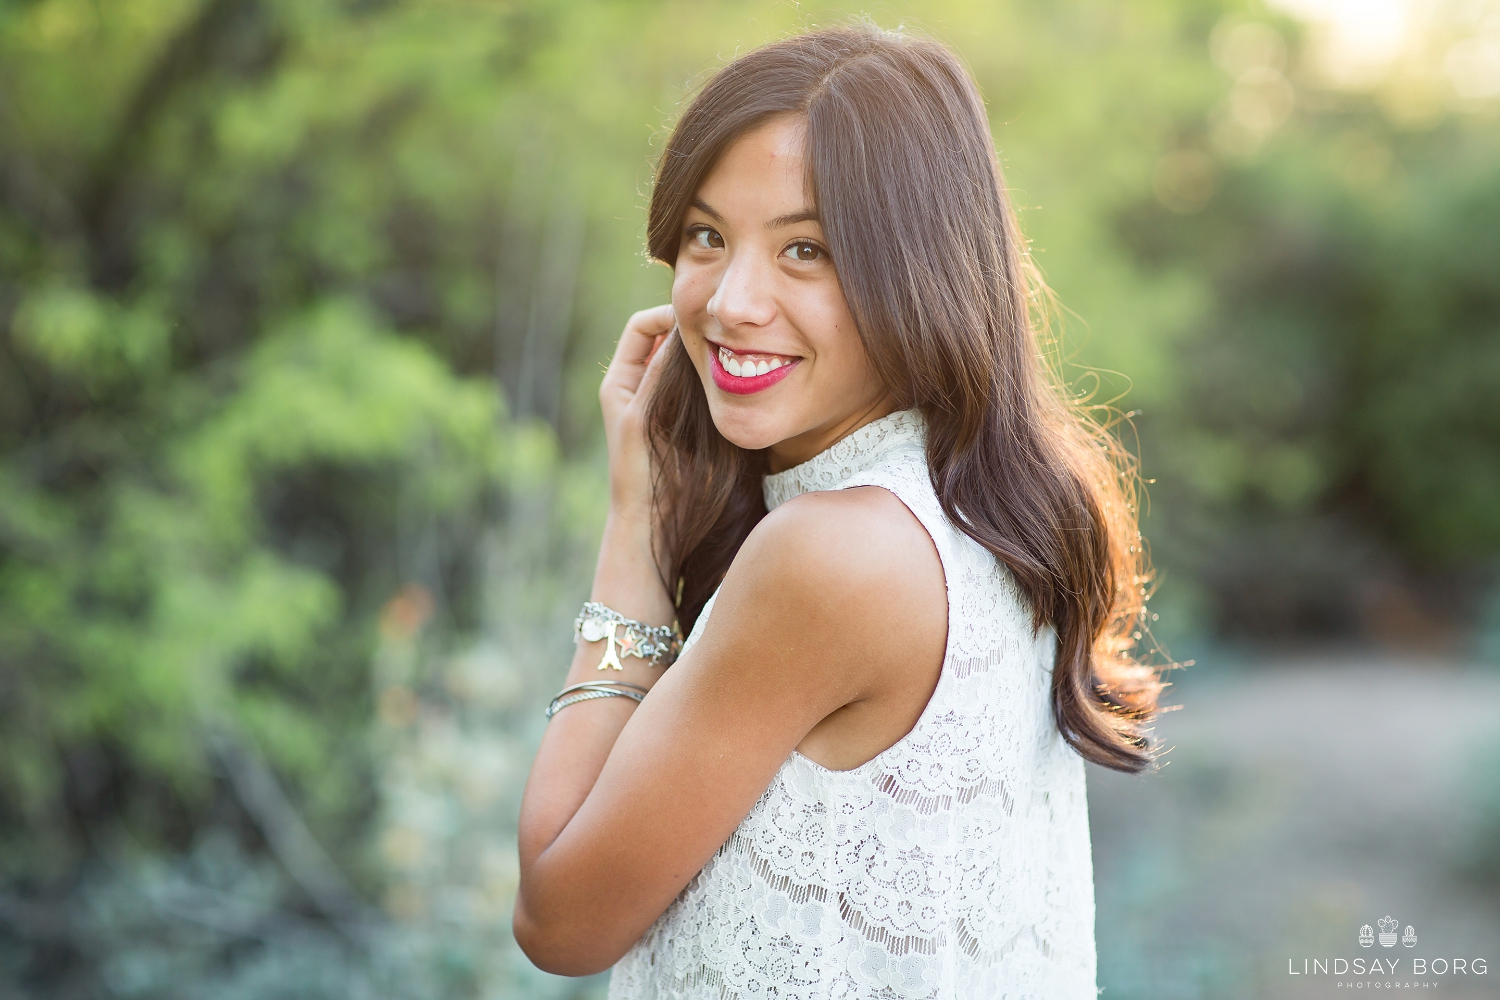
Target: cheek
point(829, 312)
point(692, 287)
point(691, 290)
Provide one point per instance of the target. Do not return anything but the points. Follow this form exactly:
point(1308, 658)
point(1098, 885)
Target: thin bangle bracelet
point(560, 703)
point(587, 685)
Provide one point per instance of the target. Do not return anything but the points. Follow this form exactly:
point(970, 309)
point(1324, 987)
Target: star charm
point(630, 645)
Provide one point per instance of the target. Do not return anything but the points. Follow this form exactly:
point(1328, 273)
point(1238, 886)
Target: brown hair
point(902, 170)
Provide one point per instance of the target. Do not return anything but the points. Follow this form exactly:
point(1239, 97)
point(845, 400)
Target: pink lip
point(745, 386)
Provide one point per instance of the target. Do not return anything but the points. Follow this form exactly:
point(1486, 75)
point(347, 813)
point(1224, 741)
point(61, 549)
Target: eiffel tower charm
point(611, 656)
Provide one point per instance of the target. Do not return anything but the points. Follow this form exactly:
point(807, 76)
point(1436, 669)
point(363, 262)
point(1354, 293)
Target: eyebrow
point(702, 206)
point(781, 221)
point(805, 215)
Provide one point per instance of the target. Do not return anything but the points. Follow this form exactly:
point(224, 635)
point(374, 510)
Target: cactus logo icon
point(1366, 936)
point(1410, 937)
point(1387, 931)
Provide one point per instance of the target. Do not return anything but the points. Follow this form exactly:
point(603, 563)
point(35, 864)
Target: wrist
point(629, 514)
point(628, 531)
point(630, 486)
point(629, 575)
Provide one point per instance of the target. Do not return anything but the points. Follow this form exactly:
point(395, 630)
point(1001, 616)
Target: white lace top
point(955, 864)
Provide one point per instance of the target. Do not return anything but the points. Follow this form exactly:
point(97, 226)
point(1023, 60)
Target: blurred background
point(303, 309)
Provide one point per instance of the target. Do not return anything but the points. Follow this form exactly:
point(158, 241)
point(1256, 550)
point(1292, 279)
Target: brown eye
point(705, 238)
point(804, 251)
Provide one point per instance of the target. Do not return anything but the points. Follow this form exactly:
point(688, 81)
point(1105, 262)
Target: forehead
point(761, 170)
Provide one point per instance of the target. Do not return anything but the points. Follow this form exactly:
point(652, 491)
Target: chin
point(753, 427)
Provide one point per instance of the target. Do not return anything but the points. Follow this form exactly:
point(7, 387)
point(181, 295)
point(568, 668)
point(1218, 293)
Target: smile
point(747, 372)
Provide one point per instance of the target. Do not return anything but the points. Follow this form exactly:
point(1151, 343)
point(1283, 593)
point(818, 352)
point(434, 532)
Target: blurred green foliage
point(303, 302)
point(1329, 464)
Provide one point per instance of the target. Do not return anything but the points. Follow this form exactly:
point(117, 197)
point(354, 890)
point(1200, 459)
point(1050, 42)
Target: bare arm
point(626, 578)
point(834, 608)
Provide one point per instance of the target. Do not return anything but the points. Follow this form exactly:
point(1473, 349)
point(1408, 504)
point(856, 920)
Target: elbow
point(559, 950)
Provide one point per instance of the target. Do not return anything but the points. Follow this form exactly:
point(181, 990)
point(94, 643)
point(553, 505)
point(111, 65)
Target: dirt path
point(1303, 799)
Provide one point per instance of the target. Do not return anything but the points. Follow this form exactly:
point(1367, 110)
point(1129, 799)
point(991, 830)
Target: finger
point(641, 333)
point(654, 322)
point(656, 363)
point(656, 345)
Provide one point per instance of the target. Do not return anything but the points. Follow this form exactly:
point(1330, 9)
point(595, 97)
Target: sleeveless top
point(955, 864)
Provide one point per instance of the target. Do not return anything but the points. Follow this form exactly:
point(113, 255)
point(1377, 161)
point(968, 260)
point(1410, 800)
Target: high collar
point(850, 455)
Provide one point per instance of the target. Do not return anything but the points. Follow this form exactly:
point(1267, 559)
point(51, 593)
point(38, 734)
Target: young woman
point(908, 567)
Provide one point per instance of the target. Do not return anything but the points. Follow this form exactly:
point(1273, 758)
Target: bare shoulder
point(849, 579)
point(847, 539)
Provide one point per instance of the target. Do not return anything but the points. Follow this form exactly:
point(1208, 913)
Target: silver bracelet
point(590, 690)
point(659, 644)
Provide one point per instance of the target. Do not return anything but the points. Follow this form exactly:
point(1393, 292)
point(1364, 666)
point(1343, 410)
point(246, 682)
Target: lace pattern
point(954, 864)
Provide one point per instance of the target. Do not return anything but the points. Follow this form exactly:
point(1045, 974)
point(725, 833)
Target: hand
point(623, 396)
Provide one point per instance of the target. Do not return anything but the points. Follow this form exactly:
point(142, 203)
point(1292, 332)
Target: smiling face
point(760, 310)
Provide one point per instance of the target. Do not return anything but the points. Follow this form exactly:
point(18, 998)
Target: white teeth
point(746, 368)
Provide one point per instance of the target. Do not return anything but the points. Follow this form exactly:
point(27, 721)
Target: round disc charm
point(594, 629)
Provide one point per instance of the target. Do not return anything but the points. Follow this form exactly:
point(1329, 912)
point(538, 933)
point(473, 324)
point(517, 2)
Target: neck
point(796, 450)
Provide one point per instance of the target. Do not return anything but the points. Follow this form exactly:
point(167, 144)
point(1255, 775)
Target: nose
point(743, 297)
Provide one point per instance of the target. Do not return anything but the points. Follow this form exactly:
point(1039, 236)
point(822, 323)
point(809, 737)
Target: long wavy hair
point(902, 171)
